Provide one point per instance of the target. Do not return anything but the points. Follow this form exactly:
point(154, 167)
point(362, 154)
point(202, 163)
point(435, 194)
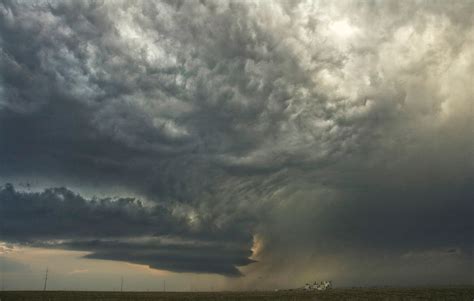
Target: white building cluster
point(322, 286)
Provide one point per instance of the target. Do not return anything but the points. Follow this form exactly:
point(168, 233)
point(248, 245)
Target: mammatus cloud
point(321, 128)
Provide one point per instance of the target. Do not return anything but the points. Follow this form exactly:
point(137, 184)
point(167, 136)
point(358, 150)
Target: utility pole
point(164, 285)
point(3, 274)
point(45, 280)
point(3, 281)
point(121, 284)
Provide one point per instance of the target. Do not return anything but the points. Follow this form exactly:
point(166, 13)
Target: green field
point(457, 293)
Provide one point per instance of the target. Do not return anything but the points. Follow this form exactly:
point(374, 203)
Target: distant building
point(322, 286)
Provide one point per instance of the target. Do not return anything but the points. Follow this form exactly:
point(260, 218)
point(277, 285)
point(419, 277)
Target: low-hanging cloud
point(59, 218)
point(311, 127)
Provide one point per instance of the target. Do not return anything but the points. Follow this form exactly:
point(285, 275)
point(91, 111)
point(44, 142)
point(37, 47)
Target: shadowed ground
point(456, 293)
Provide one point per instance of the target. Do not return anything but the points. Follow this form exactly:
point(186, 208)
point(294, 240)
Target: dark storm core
point(314, 130)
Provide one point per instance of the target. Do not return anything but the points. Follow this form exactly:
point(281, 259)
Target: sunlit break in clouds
point(236, 143)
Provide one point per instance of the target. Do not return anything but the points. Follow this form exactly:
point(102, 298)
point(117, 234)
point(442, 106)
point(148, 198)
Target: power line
point(45, 280)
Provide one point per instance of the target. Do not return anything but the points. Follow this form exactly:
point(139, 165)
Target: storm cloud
point(314, 133)
point(58, 218)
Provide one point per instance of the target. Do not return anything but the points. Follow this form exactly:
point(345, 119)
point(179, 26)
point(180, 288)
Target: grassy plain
point(389, 294)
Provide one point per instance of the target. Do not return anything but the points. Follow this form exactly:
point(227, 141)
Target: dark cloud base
point(59, 218)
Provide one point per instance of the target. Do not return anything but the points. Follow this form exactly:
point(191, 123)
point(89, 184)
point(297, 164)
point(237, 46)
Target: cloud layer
point(312, 127)
point(118, 229)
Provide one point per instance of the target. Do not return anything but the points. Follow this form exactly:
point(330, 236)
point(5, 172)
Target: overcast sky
point(236, 145)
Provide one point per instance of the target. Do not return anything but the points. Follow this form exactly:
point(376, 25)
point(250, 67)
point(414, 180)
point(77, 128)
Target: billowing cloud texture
point(332, 138)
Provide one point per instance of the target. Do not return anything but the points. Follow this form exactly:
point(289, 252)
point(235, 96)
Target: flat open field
point(457, 293)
